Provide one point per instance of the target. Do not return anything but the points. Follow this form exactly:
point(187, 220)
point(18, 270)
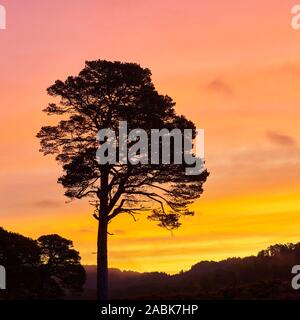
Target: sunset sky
point(233, 67)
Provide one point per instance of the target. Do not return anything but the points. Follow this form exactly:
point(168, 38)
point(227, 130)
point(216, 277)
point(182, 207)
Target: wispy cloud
point(118, 232)
point(47, 203)
point(219, 86)
point(281, 139)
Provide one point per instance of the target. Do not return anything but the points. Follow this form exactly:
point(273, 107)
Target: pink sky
point(232, 67)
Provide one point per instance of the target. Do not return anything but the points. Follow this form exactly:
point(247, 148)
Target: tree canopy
point(47, 268)
point(103, 94)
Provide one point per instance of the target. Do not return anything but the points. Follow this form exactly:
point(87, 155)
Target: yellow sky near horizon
point(233, 69)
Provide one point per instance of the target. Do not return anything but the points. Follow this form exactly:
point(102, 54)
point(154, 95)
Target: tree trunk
point(102, 265)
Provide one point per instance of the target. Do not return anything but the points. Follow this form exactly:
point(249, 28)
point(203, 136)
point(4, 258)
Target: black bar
point(184, 309)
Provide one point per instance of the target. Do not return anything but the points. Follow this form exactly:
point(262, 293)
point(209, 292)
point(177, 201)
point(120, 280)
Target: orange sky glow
point(232, 67)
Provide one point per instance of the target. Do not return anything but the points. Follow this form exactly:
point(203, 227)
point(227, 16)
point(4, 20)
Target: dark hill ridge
point(265, 276)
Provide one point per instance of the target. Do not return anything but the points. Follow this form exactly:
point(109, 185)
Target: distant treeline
point(265, 276)
point(49, 268)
